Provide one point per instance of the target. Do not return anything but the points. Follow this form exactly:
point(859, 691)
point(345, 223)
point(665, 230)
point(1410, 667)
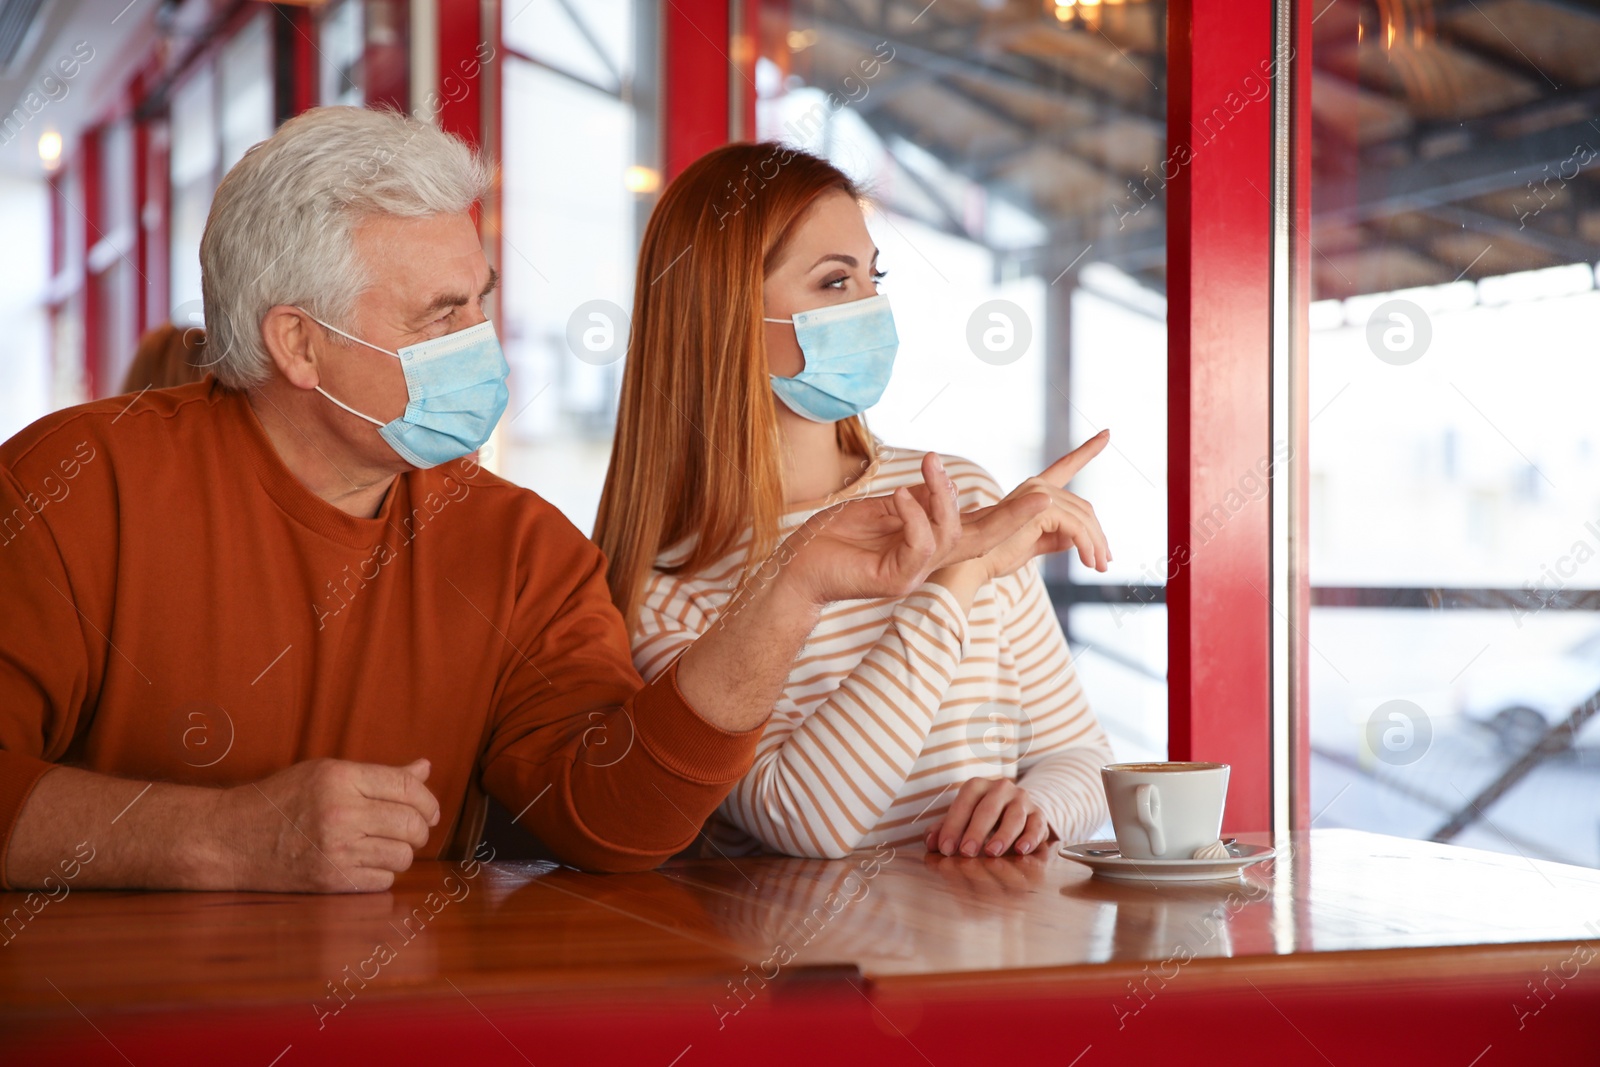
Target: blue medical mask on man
point(849, 351)
point(457, 390)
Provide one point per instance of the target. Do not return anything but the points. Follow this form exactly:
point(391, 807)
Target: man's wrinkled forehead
point(423, 267)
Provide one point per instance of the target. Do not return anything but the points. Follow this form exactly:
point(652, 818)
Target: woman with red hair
point(952, 715)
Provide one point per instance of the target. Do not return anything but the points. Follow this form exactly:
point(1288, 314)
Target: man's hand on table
point(324, 826)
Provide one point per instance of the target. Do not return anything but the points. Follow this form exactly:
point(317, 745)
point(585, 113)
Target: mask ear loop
point(341, 333)
point(358, 341)
point(348, 408)
point(780, 322)
point(790, 320)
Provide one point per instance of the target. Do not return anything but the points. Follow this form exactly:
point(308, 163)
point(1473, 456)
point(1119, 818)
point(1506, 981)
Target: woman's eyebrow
point(849, 261)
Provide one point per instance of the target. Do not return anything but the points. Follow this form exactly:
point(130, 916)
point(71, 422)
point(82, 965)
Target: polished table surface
point(1336, 907)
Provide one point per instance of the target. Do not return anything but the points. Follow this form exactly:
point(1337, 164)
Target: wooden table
point(1350, 948)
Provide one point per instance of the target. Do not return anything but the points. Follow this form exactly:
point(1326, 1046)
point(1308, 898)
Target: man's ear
point(289, 336)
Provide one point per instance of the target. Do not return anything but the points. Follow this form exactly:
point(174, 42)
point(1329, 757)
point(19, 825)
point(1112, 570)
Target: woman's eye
point(879, 275)
point(836, 283)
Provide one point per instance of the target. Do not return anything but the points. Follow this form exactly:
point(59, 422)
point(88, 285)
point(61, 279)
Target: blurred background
point(1017, 151)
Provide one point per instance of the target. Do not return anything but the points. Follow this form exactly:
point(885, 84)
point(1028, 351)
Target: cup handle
point(1148, 804)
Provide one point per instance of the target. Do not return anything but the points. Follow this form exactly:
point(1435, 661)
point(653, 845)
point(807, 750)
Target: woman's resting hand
point(988, 817)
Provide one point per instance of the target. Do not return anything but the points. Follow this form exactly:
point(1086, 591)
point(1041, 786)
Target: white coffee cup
point(1165, 811)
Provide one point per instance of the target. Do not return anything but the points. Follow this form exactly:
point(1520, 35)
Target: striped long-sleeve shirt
point(894, 703)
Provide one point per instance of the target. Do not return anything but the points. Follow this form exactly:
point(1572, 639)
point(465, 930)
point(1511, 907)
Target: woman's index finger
point(1064, 469)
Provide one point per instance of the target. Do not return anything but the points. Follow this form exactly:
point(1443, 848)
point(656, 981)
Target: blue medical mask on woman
point(457, 389)
point(849, 350)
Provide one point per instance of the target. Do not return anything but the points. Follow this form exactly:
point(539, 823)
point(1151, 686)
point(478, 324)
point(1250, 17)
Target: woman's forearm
point(829, 778)
point(1066, 785)
point(963, 580)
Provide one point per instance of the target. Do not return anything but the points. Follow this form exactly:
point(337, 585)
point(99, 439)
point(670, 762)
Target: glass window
point(110, 259)
point(339, 52)
point(1455, 464)
point(362, 52)
point(24, 287)
point(1009, 148)
point(571, 226)
point(195, 154)
point(68, 385)
point(223, 106)
point(592, 41)
point(244, 71)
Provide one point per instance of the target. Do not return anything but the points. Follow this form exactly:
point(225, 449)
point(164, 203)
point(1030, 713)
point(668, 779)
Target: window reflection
point(1456, 226)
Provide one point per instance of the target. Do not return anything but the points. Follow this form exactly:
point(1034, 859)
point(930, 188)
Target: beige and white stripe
point(893, 704)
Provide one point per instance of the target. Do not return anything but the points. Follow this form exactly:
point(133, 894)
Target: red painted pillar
point(464, 47)
point(695, 90)
point(386, 57)
point(1219, 173)
point(145, 305)
point(94, 309)
point(296, 34)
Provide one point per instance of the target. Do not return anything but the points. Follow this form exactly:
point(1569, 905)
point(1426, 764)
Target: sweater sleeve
point(1067, 746)
point(44, 656)
point(609, 776)
point(822, 779)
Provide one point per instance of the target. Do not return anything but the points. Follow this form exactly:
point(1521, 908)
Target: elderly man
point(278, 630)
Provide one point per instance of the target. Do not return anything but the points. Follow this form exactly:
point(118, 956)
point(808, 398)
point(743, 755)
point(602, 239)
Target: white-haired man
point(278, 630)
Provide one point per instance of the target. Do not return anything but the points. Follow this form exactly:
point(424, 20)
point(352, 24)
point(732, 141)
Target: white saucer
point(1167, 870)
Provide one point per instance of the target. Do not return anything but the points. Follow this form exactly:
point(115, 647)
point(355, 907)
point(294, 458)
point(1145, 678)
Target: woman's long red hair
point(696, 453)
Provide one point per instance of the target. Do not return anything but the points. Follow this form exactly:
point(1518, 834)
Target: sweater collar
point(238, 419)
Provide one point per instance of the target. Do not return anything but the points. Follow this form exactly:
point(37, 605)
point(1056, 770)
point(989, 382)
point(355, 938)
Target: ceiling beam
point(1038, 78)
point(1482, 169)
point(1559, 247)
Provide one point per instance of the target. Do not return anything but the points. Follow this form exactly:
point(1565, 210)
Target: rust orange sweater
point(176, 606)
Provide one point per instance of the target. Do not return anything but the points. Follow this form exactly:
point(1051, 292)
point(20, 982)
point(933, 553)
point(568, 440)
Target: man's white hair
point(282, 221)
